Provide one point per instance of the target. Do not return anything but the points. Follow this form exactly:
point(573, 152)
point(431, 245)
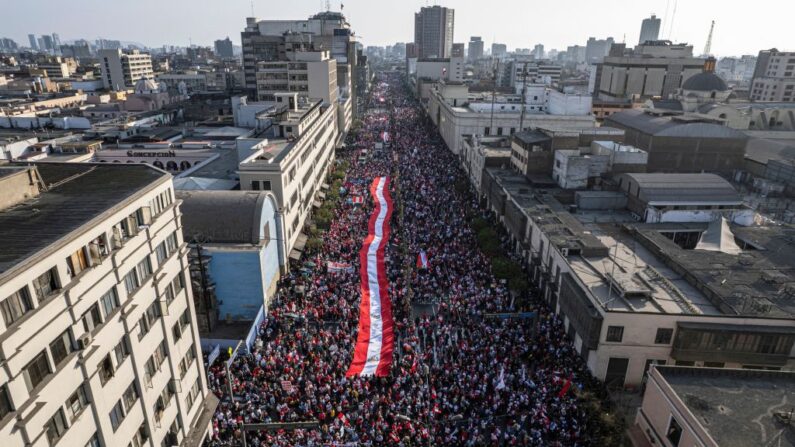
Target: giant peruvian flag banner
point(372, 354)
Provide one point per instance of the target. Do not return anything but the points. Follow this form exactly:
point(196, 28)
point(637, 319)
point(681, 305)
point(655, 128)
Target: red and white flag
point(385, 136)
point(565, 389)
point(372, 353)
point(344, 420)
point(422, 260)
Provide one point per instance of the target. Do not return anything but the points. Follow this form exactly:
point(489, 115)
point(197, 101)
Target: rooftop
point(664, 188)
point(228, 217)
point(668, 126)
point(77, 196)
point(736, 406)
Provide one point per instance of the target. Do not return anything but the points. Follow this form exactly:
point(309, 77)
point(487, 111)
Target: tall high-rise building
point(597, 49)
point(100, 344)
point(33, 43)
point(122, 70)
point(224, 48)
point(433, 32)
point(265, 41)
point(650, 29)
point(774, 76)
point(499, 50)
point(48, 42)
point(56, 41)
point(538, 51)
point(475, 48)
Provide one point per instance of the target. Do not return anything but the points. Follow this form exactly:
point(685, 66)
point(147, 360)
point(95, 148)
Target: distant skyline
point(740, 27)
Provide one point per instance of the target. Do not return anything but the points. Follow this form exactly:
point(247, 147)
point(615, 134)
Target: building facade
point(774, 77)
point(99, 341)
point(650, 29)
point(121, 70)
point(433, 32)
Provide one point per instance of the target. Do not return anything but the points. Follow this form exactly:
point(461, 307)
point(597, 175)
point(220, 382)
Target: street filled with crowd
point(474, 364)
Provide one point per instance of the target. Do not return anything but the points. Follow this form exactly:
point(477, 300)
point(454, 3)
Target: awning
point(316, 204)
point(321, 194)
point(300, 241)
point(295, 255)
point(325, 186)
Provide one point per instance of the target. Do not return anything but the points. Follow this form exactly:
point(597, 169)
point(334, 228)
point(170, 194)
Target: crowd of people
point(467, 371)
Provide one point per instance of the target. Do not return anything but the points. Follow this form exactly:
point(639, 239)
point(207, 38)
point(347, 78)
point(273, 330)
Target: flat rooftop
point(736, 406)
point(76, 194)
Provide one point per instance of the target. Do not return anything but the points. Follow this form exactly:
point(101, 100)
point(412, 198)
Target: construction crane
point(708, 46)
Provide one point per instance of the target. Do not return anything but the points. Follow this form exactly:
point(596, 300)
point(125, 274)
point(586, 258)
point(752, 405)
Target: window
point(141, 436)
point(266, 185)
point(663, 336)
point(714, 364)
point(129, 397)
point(182, 367)
point(94, 441)
point(674, 432)
point(55, 427)
point(116, 416)
point(76, 403)
point(172, 243)
point(487, 131)
point(255, 185)
point(61, 347)
point(16, 305)
point(36, 370)
point(92, 318)
point(98, 250)
point(77, 262)
point(160, 354)
point(105, 370)
point(45, 284)
point(193, 394)
point(144, 269)
point(161, 252)
point(190, 356)
point(121, 351)
point(131, 282)
point(5, 401)
point(615, 333)
point(148, 319)
point(109, 301)
point(178, 283)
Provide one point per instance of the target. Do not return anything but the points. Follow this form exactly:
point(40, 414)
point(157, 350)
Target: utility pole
point(493, 94)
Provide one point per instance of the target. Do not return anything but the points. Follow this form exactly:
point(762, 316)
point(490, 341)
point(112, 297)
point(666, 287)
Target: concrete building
point(517, 71)
point(682, 143)
point(121, 70)
point(433, 32)
point(475, 50)
point(653, 69)
point(99, 339)
point(182, 83)
point(685, 406)
point(239, 231)
point(585, 167)
point(224, 48)
point(311, 74)
point(650, 30)
point(479, 153)
point(457, 113)
point(499, 50)
point(294, 161)
point(660, 198)
point(33, 43)
point(597, 49)
point(533, 152)
point(271, 40)
point(635, 294)
point(774, 77)
point(55, 67)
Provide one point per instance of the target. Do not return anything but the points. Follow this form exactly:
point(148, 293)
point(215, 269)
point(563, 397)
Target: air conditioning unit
point(84, 341)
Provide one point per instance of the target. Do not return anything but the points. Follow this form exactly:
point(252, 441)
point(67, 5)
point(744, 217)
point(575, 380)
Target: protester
point(459, 377)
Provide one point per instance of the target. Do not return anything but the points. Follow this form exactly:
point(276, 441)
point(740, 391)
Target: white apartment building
point(311, 74)
point(456, 114)
point(121, 70)
point(98, 340)
point(294, 161)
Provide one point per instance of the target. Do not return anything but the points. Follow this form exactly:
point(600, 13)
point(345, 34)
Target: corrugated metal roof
point(226, 217)
point(679, 188)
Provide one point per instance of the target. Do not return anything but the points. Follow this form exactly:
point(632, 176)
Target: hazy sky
point(741, 28)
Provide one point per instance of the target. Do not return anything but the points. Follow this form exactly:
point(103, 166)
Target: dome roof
point(705, 82)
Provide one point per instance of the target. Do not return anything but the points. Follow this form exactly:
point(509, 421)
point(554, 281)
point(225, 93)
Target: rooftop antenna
point(328, 5)
point(708, 46)
point(673, 17)
point(665, 17)
point(252, 8)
